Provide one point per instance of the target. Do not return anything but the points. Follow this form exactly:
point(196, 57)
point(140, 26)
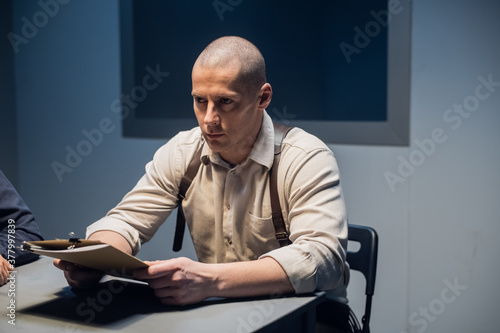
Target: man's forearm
point(112, 238)
point(250, 278)
point(182, 281)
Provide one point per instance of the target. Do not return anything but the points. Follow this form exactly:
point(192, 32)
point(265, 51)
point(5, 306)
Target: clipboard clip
point(74, 240)
point(25, 247)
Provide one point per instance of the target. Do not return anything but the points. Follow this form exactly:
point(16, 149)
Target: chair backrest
point(365, 261)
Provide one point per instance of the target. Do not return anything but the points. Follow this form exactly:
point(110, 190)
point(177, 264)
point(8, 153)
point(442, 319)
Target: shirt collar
point(262, 151)
point(263, 148)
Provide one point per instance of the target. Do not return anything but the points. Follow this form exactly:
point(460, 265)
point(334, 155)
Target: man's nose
point(212, 116)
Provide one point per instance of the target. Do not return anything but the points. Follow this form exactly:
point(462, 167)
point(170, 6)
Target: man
point(227, 206)
point(17, 224)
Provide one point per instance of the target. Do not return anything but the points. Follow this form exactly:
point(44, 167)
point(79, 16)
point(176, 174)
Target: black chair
point(365, 261)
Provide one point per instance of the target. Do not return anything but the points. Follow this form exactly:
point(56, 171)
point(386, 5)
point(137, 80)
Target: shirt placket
point(229, 190)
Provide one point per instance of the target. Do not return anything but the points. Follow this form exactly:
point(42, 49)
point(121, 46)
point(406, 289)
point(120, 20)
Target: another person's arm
point(17, 224)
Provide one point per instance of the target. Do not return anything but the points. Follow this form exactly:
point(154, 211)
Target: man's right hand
point(78, 276)
point(83, 277)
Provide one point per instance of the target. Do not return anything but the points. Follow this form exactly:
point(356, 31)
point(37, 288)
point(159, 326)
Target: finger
point(71, 267)
point(56, 262)
point(171, 296)
point(164, 282)
point(80, 283)
point(61, 264)
point(169, 301)
point(164, 292)
point(79, 277)
point(155, 271)
point(141, 273)
point(4, 276)
point(83, 273)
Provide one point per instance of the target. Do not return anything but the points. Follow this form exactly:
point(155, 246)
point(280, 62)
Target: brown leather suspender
point(280, 132)
point(186, 181)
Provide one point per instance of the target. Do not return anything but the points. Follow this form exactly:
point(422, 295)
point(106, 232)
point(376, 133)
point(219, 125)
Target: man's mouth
point(214, 135)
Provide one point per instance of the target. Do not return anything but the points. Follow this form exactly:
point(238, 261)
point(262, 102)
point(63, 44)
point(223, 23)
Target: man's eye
point(199, 100)
point(225, 101)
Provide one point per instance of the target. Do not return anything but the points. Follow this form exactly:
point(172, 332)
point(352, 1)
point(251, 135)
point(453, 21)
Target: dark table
point(39, 300)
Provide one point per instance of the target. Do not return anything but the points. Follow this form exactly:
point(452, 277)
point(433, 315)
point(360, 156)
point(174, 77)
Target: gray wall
point(437, 224)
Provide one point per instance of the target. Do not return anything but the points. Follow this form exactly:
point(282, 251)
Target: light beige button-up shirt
point(228, 209)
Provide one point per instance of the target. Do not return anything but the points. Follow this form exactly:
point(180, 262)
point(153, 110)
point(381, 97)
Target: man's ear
point(265, 95)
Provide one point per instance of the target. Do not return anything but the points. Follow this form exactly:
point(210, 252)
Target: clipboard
point(88, 253)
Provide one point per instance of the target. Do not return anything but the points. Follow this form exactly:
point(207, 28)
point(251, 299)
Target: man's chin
point(215, 145)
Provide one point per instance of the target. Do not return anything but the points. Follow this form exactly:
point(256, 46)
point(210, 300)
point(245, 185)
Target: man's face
point(229, 115)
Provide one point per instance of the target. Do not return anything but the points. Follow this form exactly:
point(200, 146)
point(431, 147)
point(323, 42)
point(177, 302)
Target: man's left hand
point(178, 281)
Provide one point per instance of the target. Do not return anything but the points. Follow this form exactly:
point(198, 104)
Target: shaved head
point(232, 50)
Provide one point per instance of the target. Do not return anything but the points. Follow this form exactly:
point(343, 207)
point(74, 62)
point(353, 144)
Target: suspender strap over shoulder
point(280, 132)
point(186, 181)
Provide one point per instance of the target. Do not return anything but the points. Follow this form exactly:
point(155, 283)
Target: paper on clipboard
point(88, 253)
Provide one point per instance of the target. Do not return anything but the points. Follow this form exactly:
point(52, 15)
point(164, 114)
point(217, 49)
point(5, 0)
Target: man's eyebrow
point(230, 95)
point(227, 95)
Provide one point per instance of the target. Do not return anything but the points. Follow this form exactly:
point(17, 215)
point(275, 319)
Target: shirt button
point(228, 206)
point(230, 242)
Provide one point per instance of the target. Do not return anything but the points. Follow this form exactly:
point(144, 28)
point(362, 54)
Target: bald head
point(238, 51)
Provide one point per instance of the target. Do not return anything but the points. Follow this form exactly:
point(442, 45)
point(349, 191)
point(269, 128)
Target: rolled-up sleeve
point(314, 210)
